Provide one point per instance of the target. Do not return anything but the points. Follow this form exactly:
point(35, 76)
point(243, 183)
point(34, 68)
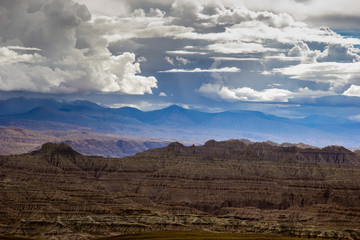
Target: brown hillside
point(222, 186)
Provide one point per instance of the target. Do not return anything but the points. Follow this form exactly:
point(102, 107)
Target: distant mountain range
point(14, 140)
point(176, 123)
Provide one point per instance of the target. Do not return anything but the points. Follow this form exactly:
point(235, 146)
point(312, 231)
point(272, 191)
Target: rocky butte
point(230, 186)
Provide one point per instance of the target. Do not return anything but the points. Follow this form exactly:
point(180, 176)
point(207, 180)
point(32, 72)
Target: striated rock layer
point(57, 193)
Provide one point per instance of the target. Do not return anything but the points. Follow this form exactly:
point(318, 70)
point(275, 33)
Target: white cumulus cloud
point(219, 91)
point(353, 91)
point(54, 48)
point(9, 56)
point(169, 60)
point(336, 74)
point(244, 93)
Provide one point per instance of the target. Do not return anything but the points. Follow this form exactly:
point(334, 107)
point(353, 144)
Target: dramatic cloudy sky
point(286, 57)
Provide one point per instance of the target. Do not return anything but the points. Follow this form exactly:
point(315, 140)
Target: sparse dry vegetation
point(179, 235)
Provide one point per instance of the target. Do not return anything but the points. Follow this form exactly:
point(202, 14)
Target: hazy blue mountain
point(324, 120)
point(177, 123)
point(128, 111)
point(22, 104)
point(176, 116)
point(49, 114)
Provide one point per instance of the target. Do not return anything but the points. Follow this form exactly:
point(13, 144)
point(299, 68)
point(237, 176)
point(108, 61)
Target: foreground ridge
point(228, 186)
point(265, 151)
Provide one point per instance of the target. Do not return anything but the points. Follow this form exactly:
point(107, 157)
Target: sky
point(289, 58)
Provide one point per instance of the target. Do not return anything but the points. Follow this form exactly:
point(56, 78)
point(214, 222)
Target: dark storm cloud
point(338, 21)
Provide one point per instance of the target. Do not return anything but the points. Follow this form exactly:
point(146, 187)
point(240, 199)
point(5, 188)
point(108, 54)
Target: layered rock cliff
point(57, 193)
